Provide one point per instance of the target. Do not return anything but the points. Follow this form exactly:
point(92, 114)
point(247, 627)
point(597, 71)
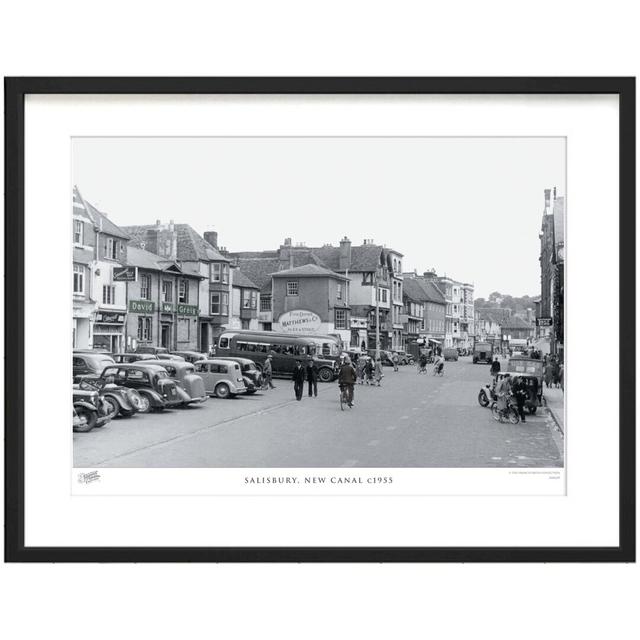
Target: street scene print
point(318, 303)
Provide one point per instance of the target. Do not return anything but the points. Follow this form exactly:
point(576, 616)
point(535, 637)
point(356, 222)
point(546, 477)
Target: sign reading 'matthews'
point(141, 306)
point(300, 321)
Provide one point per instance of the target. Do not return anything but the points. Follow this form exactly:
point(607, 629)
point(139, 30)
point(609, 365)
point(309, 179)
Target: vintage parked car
point(251, 373)
point(222, 378)
point(404, 357)
point(449, 353)
point(190, 384)
point(190, 356)
point(87, 363)
point(90, 410)
point(154, 351)
point(124, 402)
point(157, 390)
point(169, 356)
point(385, 357)
point(131, 357)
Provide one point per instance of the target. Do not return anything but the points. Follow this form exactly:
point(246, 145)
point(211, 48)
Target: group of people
point(553, 372)
point(515, 387)
point(368, 371)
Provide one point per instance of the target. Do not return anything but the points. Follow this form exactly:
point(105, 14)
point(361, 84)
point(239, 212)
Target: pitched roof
point(515, 322)
point(259, 270)
point(308, 271)
point(241, 280)
point(100, 220)
point(365, 257)
point(137, 257)
point(191, 247)
point(414, 290)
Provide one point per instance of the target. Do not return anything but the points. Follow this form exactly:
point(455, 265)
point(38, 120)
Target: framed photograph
point(320, 319)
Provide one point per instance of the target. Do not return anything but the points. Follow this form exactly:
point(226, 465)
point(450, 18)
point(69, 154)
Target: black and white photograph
point(318, 302)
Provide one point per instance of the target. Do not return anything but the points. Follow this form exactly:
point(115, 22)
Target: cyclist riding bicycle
point(347, 379)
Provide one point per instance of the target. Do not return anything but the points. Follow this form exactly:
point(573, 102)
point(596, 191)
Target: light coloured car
point(222, 378)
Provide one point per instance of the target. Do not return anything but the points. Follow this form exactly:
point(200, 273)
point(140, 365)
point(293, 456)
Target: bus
point(284, 349)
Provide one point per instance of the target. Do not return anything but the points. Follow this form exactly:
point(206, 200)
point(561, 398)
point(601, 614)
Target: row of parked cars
point(109, 385)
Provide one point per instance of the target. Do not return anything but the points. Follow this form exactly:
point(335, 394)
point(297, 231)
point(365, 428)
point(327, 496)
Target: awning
point(434, 341)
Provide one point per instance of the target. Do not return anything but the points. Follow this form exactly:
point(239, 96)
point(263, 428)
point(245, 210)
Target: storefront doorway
point(166, 336)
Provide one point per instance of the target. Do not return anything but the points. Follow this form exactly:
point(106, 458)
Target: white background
point(333, 38)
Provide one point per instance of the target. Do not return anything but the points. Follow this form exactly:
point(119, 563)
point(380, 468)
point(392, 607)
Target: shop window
point(144, 329)
point(78, 278)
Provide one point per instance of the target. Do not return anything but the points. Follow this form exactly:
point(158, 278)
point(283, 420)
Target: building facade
point(245, 300)
point(550, 310)
point(311, 299)
point(162, 303)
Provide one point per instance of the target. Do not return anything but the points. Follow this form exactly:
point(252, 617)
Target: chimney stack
point(287, 242)
point(547, 198)
point(345, 254)
point(212, 238)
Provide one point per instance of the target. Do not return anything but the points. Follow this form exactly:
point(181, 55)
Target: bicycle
point(509, 412)
point(344, 398)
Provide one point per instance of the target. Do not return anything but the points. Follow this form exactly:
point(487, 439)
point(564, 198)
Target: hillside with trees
point(497, 300)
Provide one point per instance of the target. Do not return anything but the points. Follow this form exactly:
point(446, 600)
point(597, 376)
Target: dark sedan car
point(157, 390)
point(89, 363)
point(251, 373)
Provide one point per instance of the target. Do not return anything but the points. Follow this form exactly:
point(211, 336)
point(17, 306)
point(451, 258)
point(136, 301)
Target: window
point(341, 319)
point(384, 295)
point(108, 294)
point(144, 329)
point(339, 291)
point(224, 343)
point(78, 278)
point(184, 329)
point(220, 272)
point(225, 274)
point(265, 303)
point(215, 272)
point(167, 291)
point(145, 286)
point(219, 304)
point(292, 288)
point(78, 232)
point(111, 249)
point(183, 291)
point(246, 299)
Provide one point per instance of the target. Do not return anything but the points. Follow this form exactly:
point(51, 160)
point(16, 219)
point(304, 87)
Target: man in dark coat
point(298, 380)
point(495, 367)
point(312, 377)
point(519, 390)
point(347, 379)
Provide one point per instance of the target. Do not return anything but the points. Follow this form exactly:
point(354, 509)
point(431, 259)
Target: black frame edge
point(15, 90)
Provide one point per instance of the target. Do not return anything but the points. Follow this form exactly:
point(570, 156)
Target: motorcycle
point(90, 410)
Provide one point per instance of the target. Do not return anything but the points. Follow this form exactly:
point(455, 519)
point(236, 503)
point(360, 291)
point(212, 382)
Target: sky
point(469, 208)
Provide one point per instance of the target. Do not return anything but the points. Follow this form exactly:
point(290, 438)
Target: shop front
point(109, 330)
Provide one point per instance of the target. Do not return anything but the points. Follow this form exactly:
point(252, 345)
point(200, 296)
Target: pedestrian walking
point(556, 373)
point(377, 373)
point(298, 380)
point(347, 379)
point(360, 366)
point(548, 373)
point(422, 363)
point(561, 377)
point(368, 370)
point(312, 378)
point(520, 393)
point(503, 389)
point(495, 367)
point(395, 360)
point(267, 373)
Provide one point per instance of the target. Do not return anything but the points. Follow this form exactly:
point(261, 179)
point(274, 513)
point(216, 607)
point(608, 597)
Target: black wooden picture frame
point(15, 91)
